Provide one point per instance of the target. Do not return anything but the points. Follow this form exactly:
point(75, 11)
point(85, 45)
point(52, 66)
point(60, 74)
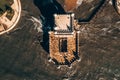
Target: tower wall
point(55, 44)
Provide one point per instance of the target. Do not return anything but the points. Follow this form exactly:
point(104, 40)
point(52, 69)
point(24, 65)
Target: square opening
point(63, 45)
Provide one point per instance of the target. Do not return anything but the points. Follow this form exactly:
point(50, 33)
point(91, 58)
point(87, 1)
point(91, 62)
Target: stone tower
point(64, 40)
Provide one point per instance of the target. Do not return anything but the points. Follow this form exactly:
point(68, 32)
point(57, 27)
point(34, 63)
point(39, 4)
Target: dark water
point(48, 8)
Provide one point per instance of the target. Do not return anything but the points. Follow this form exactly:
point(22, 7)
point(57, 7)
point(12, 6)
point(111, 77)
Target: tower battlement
point(63, 40)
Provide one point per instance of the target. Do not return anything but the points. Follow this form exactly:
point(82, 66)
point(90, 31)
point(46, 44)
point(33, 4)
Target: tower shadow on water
point(48, 8)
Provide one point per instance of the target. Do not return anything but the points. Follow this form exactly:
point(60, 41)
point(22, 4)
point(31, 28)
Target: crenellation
point(63, 43)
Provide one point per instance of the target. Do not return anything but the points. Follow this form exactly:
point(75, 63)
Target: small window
point(63, 45)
